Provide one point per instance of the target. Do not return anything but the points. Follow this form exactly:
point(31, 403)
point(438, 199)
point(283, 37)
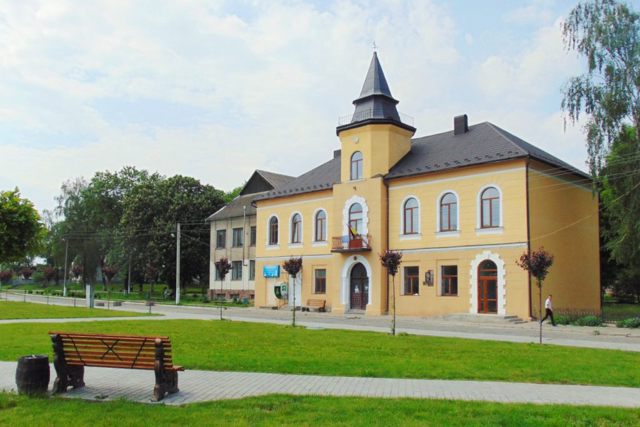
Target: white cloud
point(231, 87)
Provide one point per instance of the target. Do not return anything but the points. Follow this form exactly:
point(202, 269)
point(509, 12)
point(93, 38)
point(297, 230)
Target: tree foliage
point(151, 211)
point(537, 263)
point(21, 231)
point(223, 266)
point(292, 266)
point(607, 34)
point(620, 196)
point(391, 260)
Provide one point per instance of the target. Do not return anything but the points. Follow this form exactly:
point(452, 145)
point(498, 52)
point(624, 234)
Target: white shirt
point(547, 304)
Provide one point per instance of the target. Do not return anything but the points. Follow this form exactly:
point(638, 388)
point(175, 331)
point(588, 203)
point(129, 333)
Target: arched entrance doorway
point(358, 288)
point(487, 287)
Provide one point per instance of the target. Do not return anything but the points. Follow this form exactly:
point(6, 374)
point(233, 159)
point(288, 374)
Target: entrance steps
point(483, 318)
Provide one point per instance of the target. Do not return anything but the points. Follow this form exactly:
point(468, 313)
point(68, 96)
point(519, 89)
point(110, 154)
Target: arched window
point(296, 228)
point(273, 231)
point(321, 227)
point(490, 208)
point(356, 165)
point(411, 214)
point(355, 219)
point(448, 212)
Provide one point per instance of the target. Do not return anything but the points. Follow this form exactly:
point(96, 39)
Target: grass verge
point(255, 347)
point(278, 410)
point(26, 310)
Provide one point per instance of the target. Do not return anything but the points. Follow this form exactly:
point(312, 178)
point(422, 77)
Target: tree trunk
point(393, 306)
point(294, 302)
point(540, 307)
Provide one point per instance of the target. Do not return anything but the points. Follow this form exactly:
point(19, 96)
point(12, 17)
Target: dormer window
point(356, 165)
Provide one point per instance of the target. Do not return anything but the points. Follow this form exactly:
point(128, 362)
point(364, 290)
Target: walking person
point(548, 308)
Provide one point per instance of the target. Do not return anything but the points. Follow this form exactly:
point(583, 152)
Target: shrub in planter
point(588, 321)
point(633, 322)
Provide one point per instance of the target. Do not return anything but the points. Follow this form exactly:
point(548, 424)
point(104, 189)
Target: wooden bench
point(315, 304)
point(72, 352)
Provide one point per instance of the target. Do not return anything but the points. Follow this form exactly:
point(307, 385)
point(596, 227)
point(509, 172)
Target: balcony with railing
point(357, 243)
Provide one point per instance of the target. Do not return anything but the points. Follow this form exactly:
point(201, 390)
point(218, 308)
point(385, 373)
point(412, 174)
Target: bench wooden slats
point(75, 351)
point(315, 303)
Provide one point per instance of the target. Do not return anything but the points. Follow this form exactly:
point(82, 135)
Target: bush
point(562, 319)
point(588, 321)
point(5, 276)
point(633, 322)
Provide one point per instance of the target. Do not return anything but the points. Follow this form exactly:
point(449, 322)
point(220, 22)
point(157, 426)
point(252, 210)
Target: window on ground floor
point(449, 280)
point(411, 280)
point(320, 281)
point(236, 270)
point(252, 270)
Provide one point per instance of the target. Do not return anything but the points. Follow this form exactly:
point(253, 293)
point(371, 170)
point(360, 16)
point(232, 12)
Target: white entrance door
point(295, 285)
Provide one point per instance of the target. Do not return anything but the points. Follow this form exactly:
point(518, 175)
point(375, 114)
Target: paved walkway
point(599, 337)
point(200, 386)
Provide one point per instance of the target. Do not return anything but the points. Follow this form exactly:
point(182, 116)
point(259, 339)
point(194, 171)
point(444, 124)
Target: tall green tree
point(620, 196)
point(21, 231)
point(151, 212)
point(607, 34)
point(91, 213)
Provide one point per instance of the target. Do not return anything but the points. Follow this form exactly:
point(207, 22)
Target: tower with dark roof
point(375, 103)
point(375, 131)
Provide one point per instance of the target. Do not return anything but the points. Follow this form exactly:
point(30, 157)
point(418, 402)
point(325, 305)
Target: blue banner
point(271, 271)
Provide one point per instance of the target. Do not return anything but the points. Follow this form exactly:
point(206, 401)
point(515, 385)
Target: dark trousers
point(548, 313)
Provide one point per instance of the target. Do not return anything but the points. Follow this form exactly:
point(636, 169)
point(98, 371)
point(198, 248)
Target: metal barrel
point(32, 374)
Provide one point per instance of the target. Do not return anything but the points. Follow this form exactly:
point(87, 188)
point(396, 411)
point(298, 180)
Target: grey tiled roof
point(321, 178)
point(483, 143)
point(275, 179)
point(235, 207)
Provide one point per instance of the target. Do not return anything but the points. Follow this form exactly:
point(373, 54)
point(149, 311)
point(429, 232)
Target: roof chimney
point(336, 153)
point(460, 125)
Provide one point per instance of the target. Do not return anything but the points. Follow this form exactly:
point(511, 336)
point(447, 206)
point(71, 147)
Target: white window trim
point(438, 213)
point(289, 241)
point(411, 196)
point(326, 227)
point(473, 282)
point(479, 229)
point(268, 227)
point(365, 215)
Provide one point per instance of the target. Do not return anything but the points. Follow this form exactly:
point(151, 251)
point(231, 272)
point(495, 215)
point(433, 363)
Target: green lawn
point(26, 310)
point(239, 346)
point(277, 410)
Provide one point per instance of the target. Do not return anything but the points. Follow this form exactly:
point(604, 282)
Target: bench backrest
point(112, 351)
point(316, 302)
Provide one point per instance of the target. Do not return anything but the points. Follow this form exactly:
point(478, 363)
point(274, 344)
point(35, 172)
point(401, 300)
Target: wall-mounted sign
point(428, 278)
point(271, 271)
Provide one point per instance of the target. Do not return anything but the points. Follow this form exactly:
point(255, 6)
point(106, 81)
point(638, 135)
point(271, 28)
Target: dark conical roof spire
point(375, 83)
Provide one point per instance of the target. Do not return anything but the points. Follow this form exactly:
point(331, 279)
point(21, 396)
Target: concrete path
point(201, 386)
point(483, 328)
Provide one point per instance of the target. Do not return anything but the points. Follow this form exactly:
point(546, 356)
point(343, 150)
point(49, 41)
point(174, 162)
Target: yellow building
point(461, 206)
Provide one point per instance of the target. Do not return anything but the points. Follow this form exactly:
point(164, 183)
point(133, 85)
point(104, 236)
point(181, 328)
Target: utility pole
point(178, 265)
point(64, 279)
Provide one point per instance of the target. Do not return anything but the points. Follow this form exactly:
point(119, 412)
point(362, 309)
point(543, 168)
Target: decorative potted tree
point(293, 267)
point(392, 260)
point(222, 267)
point(537, 263)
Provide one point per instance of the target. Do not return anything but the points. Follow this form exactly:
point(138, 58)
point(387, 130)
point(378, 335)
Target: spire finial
point(375, 48)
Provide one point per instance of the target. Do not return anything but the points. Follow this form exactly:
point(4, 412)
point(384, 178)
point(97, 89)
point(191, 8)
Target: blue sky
point(215, 90)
